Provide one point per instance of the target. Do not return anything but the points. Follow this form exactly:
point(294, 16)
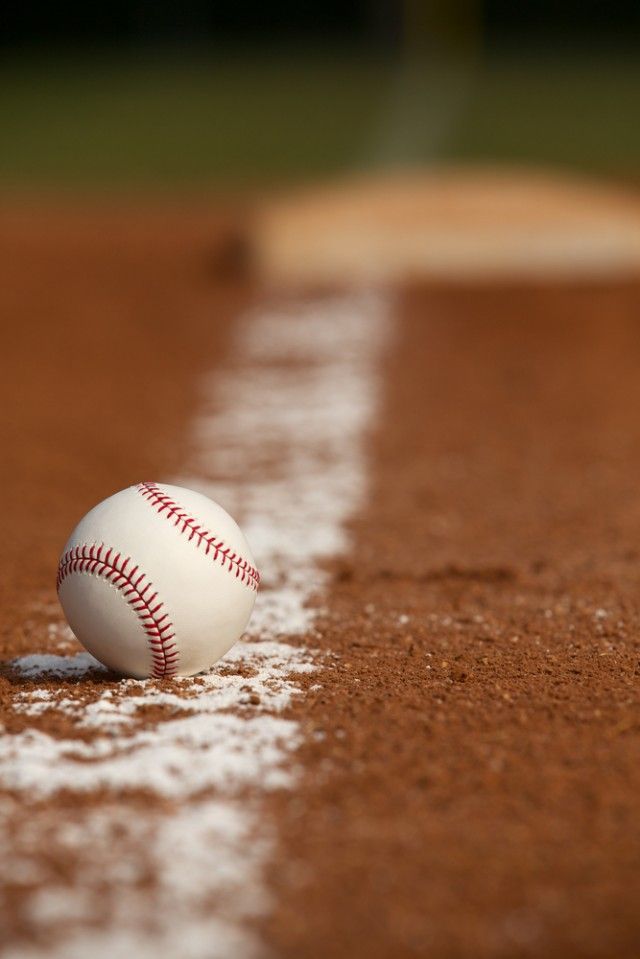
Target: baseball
point(157, 581)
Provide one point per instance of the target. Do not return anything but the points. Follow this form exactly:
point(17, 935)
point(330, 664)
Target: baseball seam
point(135, 586)
point(169, 509)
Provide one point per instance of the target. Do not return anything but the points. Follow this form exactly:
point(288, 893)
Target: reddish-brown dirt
point(472, 780)
point(108, 314)
point(470, 773)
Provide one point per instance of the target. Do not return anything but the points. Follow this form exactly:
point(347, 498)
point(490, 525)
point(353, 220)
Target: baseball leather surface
point(157, 581)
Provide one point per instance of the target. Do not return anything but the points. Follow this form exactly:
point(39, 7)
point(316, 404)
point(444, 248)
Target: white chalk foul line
point(279, 443)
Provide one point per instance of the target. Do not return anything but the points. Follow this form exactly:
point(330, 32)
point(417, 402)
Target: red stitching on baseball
point(169, 509)
point(96, 560)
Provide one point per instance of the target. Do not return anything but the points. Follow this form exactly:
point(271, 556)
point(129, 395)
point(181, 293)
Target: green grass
point(576, 110)
point(223, 118)
point(243, 118)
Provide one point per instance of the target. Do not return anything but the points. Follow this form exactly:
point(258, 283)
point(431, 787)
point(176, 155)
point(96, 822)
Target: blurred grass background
point(241, 117)
point(174, 121)
point(138, 98)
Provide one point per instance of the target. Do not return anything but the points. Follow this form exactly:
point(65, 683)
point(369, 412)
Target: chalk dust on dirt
point(132, 818)
point(461, 777)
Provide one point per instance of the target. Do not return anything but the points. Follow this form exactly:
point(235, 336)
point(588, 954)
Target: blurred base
point(448, 223)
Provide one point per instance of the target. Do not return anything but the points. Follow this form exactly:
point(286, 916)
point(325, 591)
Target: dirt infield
point(448, 224)
point(107, 319)
point(472, 779)
point(436, 733)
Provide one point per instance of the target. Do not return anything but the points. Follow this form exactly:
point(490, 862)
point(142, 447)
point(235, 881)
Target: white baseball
point(157, 581)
